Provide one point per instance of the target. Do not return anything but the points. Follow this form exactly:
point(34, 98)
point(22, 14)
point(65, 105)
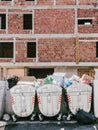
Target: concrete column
point(25, 72)
point(1, 73)
point(76, 13)
point(4, 72)
point(7, 21)
point(37, 50)
point(14, 51)
point(35, 2)
point(54, 2)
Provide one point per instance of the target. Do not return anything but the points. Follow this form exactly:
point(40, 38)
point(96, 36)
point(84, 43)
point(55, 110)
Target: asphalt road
point(48, 126)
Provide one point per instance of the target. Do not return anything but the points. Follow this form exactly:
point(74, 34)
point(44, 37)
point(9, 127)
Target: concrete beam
point(47, 64)
point(84, 35)
point(49, 7)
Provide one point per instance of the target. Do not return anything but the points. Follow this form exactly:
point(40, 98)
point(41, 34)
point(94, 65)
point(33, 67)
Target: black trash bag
point(12, 81)
point(84, 117)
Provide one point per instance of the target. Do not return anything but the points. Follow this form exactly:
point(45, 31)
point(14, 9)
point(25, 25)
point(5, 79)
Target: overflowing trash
point(53, 96)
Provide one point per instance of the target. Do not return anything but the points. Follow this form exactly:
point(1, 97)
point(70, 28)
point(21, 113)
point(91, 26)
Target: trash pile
point(60, 79)
point(53, 96)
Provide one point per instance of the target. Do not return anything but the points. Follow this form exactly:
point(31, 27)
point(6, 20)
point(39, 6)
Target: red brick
point(65, 2)
point(45, 2)
point(56, 50)
point(54, 21)
point(88, 13)
point(86, 2)
point(87, 51)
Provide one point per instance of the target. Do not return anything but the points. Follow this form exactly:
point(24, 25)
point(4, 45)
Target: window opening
point(6, 50)
point(27, 21)
point(96, 49)
point(40, 72)
point(31, 49)
point(6, 0)
point(30, 0)
point(84, 21)
point(2, 21)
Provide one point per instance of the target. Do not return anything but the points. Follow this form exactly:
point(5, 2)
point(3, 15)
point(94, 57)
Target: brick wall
point(56, 50)
point(21, 52)
point(3, 3)
point(86, 2)
point(54, 21)
point(65, 2)
point(45, 2)
point(23, 3)
point(15, 22)
point(87, 51)
point(39, 2)
point(88, 14)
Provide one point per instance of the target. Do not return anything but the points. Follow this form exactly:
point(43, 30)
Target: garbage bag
point(67, 83)
point(48, 80)
point(86, 79)
point(74, 78)
point(84, 117)
point(12, 81)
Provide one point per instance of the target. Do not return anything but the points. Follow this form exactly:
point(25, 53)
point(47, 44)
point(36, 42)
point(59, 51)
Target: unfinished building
point(39, 37)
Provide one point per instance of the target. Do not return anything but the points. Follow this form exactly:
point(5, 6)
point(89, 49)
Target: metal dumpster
point(3, 85)
point(49, 100)
point(23, 99)
point(79, 96)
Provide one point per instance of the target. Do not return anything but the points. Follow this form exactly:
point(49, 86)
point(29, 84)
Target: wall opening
point(27, 21)
point(40, 72)
point(6, 0)
point(30, 0)
point(6, 49)
point(84, 21)
point(97, 49)
point(31, 50)
point(2, 21)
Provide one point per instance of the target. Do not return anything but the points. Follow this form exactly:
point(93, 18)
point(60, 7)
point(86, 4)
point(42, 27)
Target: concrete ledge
point(47, 64)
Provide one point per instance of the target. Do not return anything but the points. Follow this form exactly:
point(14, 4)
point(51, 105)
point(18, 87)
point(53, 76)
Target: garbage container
point(49, 100)
point(23, 99)
point(79, 96)
point(3, 85)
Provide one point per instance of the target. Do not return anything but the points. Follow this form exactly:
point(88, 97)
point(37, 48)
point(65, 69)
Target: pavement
point(46, 125)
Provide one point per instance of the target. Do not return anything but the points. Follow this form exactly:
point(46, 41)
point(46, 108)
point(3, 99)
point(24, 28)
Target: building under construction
point(39, 37)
